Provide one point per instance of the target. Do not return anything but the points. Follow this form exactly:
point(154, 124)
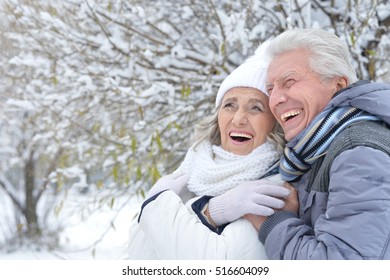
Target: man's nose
point(277, 96)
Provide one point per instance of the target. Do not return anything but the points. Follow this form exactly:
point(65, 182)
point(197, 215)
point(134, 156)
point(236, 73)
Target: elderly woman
point(240, 144)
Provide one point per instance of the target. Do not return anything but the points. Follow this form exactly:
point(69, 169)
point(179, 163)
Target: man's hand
point(255, 220)
point(291, 202)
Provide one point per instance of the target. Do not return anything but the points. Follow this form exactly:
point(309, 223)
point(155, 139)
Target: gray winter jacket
point(351, 218)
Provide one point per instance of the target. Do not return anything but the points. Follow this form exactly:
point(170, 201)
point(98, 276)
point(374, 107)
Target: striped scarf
point(314, 143)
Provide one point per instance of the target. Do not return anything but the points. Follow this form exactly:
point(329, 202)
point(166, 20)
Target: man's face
point(297, 94)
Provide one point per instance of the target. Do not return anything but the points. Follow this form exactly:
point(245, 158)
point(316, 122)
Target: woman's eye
point(228, 105)
point(257, 108)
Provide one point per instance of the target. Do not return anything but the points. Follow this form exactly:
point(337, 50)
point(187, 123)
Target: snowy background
point(91, 231)
point(98, 99)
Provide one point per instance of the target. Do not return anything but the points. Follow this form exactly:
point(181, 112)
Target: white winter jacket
point(169, 229)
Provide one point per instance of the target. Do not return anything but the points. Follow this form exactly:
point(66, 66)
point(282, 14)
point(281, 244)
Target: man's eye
point(289, 83)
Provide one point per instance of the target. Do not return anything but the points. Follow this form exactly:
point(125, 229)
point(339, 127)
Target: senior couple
point(243, 193)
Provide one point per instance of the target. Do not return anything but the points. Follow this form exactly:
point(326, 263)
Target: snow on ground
point(93, 228)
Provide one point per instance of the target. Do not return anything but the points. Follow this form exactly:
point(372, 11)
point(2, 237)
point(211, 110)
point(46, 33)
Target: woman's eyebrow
point(230, 99)
point(255, 100)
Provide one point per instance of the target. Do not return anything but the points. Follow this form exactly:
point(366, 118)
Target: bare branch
point(15, 201)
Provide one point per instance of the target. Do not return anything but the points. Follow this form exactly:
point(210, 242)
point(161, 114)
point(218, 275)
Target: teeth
point(240, 134)
point(287, 115)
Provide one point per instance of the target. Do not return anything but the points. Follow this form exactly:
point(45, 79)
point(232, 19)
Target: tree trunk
point(30, 211)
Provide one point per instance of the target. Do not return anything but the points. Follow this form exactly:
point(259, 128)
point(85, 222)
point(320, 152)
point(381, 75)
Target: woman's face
point(244, 120)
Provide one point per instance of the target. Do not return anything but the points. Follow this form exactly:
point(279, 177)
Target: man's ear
point(341, 83)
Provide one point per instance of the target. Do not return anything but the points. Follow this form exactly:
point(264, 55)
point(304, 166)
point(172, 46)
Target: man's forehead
point(280, 75)
point(274, 77)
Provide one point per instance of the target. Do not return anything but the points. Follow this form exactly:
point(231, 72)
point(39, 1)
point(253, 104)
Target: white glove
point(177, 182)
point(254, 197)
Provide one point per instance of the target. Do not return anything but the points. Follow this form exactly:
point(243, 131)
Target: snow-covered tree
point(105, 94)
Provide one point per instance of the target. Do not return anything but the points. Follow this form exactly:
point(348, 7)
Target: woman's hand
point(291, 203)
point(259, 197)
point(176, 182)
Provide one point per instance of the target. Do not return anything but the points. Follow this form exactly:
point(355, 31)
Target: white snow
point(92, 229)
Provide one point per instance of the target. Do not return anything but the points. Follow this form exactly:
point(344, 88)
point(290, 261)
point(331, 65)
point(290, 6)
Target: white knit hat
point(252, 73)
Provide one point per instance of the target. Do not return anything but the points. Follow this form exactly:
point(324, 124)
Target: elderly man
point(337, 155)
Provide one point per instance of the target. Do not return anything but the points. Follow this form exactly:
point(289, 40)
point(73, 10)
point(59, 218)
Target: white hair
point(329, 56)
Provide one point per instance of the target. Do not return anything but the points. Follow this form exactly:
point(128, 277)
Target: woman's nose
point(240, 118)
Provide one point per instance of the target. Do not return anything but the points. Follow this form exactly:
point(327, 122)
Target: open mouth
point(290, 115)
point(240, 137)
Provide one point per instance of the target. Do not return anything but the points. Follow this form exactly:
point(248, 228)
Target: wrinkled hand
point(291, 202)
point(255, 197)
point(255, 220)
point(176, 182)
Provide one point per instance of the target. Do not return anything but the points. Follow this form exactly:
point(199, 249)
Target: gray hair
point(329, 56)
point(208, 129)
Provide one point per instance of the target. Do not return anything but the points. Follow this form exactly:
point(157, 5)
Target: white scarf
point(213, 170)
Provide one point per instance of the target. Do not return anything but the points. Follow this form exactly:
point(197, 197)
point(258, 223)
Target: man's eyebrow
point(289, 74)
point(285, 76)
